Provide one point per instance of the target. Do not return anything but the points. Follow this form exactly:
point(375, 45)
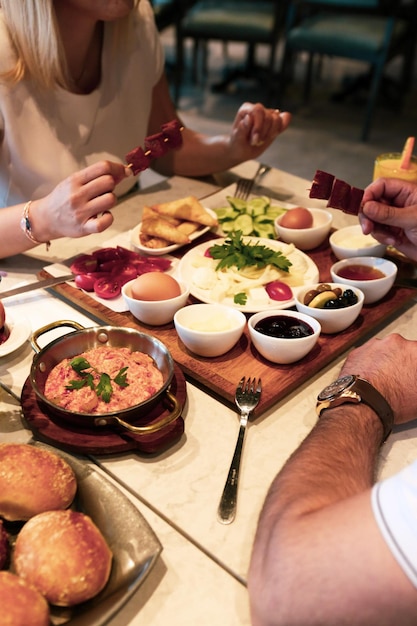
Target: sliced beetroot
point(356, 196)
point(338, 193)
point(321, 187)
point(137, 160)
point(339, 198)
point(156, 145)
point(172, 134)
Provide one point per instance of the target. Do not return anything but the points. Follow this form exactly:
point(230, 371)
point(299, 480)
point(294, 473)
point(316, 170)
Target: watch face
point(335, 388)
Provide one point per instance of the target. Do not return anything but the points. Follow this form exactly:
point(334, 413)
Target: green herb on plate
point(235, 252)
point(104, 388)
point(240, 298)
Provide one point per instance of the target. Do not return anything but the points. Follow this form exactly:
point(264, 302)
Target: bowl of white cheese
point(209, 330)
point(350, 241)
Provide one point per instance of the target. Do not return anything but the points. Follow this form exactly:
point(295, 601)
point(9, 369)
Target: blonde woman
point(81, 83)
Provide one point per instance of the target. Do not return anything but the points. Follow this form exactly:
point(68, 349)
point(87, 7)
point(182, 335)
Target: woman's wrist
point(27, 227)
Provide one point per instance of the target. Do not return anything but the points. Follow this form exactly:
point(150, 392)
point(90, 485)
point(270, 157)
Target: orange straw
point(407, 153)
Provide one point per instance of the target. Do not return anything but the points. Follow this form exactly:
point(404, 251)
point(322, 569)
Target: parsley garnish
point(240, 298)
point(104, 389)
point(235, 252)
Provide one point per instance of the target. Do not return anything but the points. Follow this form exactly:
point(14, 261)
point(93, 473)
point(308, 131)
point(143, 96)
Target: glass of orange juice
point(389, 166)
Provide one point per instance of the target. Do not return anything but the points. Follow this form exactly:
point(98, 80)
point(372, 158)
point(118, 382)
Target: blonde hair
point(35, 37)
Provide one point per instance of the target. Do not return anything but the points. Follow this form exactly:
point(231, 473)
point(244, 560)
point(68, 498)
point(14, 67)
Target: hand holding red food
point(80, 205)
point(389, 213)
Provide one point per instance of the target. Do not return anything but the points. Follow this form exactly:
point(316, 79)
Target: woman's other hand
point(389, 213)
point(80, 205)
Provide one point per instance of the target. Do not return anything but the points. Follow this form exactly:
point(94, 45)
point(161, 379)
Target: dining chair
point(247, 21)
point(369, 31)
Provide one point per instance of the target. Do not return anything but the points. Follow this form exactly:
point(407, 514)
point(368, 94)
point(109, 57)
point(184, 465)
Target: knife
point(40, 284)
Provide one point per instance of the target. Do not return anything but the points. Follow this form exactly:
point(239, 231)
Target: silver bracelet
point(26, 226)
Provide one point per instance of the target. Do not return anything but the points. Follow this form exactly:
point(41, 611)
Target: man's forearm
point(335, 462)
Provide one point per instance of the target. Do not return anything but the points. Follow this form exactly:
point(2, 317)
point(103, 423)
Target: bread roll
point(21, 604)
point(33, 480)
point(64, 555)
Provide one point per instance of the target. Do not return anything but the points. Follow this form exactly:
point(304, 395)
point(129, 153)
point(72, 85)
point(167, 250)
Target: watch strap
point(361, 390)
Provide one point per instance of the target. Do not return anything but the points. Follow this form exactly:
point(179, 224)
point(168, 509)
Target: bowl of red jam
point(283, 336)
point(334, 305)
point(373, 275)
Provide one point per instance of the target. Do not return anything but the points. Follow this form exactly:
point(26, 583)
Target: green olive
point(309, 296)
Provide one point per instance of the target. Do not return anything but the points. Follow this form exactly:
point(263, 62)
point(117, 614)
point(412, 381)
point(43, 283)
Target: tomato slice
point(107, 288)
point(86, 281)
point(124, 272)
point(106, 254)
point(83, 264)
point(278, 290)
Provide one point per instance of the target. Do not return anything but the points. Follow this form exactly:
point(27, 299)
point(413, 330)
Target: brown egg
point(155, 286)
point(299, 217)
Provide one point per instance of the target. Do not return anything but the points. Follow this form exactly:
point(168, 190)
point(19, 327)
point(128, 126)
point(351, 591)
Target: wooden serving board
point(220, 375)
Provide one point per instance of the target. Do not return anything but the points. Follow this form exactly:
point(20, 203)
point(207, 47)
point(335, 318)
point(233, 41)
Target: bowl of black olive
point(283, 336)
point(335, 305)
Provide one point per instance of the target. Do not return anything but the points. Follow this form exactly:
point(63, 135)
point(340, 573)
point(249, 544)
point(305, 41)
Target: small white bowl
point(374, 289)
point(331, 320)
point(279, 349)
point(306, 238)
point(155, 312)
point(209, 329)
point(350, 241)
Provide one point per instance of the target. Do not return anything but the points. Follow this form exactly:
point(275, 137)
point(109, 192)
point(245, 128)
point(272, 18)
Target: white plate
point(19, 329)
point(135, 239)
point(186, 269)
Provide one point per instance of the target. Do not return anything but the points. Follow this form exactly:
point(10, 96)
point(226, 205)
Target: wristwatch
point(355, 389)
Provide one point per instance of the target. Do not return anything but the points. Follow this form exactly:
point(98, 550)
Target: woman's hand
point(389, 213)
point(254, 129)
point(79, 205)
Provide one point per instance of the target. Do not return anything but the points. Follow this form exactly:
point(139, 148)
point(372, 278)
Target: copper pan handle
point(149, 428)
point(52, 326)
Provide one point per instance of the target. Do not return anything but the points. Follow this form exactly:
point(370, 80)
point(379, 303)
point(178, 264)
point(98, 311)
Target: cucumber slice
point(266, 231)
point(257, 206)
point(275, 210)
point(244, 223)
point(226, 213)
point(237, 203)
point(228, 226)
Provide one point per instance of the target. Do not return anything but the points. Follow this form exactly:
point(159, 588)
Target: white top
point(45, 138)
point(394, 502)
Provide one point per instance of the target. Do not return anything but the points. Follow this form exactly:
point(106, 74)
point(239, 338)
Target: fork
point(247, 397)
point(244, 186)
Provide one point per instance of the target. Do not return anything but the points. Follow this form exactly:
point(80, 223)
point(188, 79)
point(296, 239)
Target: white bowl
point(209, 329)
point(374, 289)
point(279, 349)
point(331, 320)
point(306, 238)
point(155, 312)
point(350, 241)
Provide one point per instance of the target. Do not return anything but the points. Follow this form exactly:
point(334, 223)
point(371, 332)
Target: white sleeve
point(394, 503)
